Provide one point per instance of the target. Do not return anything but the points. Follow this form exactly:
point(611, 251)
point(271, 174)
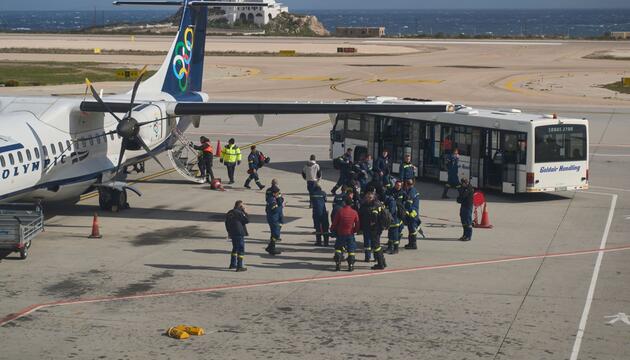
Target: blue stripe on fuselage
point(12, 147)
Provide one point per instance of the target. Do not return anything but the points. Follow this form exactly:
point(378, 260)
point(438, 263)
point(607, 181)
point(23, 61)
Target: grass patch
point(617, 87)
point(54, 73)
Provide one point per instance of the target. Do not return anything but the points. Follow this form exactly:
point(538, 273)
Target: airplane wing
point(297, 107)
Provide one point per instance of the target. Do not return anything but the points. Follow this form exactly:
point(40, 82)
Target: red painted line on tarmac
point(28, 310)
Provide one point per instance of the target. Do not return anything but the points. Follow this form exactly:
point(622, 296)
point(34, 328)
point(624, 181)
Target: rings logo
point(181, 60)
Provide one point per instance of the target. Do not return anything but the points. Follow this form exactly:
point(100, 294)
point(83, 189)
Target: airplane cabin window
point(91, 141)
point(68, 145)
point(44, 151)
point(52, 149)
point(83, 143)
point(20, 157)
point(2, 162)
point(61, 149)
point(98, 139)
point(36, 153)
point(28, 155)
point(11, 159)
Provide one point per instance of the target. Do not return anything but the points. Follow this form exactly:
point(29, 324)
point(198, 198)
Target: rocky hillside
point(295, 25)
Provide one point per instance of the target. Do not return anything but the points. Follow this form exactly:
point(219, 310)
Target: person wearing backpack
point(254, 161)
point(236, 221)
point(397, 212)
point(344, 165)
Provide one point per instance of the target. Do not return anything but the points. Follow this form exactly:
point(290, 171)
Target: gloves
point(191, 144)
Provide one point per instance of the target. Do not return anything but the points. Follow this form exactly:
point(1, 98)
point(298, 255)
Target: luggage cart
point(19, 225)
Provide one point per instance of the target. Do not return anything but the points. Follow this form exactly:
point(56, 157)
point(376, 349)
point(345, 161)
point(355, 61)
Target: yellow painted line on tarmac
point(171, 170)
point(305, 78)
point(510, 85)
point(334, 87)
point(407, 81)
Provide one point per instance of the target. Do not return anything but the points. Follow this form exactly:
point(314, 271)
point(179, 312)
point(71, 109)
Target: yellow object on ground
point(97, 50)
point(625, 81)
point(176, 333)
point(192, 330)
point(287, 52)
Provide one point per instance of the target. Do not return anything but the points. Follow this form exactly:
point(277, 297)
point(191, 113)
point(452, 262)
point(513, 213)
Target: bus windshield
point(558, 143)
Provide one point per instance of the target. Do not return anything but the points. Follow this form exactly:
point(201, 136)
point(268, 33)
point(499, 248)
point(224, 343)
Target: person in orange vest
point(205, 161)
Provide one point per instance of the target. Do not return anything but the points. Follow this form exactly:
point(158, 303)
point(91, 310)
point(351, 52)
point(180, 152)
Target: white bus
point(504, 150)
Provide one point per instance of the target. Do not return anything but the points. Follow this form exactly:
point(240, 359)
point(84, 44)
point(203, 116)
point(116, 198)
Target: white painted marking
point(618, 317)
point(611, 155)
point(591, 289)
point(526, 43)
point(608, 188)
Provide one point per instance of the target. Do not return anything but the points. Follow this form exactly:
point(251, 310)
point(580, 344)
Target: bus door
point(422, 148)
point(337, 137)
point(431, 151)
point(493, 160)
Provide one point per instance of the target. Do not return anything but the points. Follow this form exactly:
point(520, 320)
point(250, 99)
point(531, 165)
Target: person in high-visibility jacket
point(205, 160)
point(230, 157)
point(412, 218)
point(407, 170)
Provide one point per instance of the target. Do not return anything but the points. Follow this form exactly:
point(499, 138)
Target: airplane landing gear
point(112, 200)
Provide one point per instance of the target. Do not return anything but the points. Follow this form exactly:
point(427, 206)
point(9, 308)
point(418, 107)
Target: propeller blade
point(146, 148)
point(120, 158)
point(100, 101)
point(136, 85)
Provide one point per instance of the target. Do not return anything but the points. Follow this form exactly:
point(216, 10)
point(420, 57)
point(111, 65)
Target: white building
point(249, 12)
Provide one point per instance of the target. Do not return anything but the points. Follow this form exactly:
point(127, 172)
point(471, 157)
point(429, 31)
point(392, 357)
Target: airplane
point(54, 149)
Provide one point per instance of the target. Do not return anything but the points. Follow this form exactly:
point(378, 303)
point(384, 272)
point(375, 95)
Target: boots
point(260, 186)
point(334, 190)
point(233, 261)
point(390, 248)
point(412, 243)
point(326, 240)
point(351, 261)
point(271, 248)
point(239, 264)
point(368, 256)
point(445, 193)
point(380, 261)
point(395, 248)
point(337, 259)
point(318, 240)
point(247, 184)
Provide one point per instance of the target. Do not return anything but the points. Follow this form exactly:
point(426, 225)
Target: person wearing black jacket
point(372, 226)
point(465, 199)
point(236, 221)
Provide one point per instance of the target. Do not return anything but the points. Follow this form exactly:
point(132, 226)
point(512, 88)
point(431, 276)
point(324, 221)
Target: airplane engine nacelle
point(158, 128)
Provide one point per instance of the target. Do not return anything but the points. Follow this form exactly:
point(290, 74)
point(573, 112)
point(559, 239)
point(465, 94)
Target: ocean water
point(574, 23)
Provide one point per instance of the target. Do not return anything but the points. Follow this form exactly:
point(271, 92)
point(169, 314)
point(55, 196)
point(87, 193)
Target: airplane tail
point(181, 73)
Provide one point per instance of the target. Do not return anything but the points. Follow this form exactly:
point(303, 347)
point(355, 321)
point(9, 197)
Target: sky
point(348, 4)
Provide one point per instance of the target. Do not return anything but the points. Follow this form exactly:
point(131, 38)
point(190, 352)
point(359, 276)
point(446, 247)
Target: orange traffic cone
point(218, 152)
point(485, 219)
point(96, 234)
point(216, 185)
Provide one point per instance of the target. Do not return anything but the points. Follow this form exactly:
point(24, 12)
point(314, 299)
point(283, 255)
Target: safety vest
point(231, 154)
point(208, 149)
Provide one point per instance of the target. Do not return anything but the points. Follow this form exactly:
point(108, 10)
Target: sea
point(513, 23)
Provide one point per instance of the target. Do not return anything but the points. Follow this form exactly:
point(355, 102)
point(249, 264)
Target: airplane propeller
point(128, 128)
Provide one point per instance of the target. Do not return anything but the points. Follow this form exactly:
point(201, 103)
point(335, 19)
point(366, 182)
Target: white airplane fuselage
point(52, 151)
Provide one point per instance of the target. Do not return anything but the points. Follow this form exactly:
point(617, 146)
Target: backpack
point(262, 159)
point(337, 163)
point(385, 218)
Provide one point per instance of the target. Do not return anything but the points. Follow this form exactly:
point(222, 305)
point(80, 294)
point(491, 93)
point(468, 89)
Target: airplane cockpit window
point(2, 162)
point(20, 157)
point(28, 155)
point(11, 159)
point(36, 153)
point(52, 149)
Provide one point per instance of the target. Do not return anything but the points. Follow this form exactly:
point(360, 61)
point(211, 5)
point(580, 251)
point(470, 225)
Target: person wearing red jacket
point(345, 225)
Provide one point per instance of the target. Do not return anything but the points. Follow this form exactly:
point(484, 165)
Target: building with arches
point(259, 15)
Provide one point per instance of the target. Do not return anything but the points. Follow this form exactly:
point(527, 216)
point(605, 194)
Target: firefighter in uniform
point(230, 157)
point(275, 216)
point(345, 225)
point(320, 216)
point(236, 221)
point(395, 228)
point(407, 170)
point(399, 194)
point(412, 218)
point(205, 160)
point(372, 223)
point(344, 163)
point(254, 162)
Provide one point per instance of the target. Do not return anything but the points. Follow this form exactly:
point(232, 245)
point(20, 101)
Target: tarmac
point(549, 281)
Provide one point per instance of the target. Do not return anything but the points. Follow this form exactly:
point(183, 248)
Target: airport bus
point(505, 150)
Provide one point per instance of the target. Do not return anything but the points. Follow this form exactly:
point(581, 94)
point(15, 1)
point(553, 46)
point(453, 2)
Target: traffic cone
point(485, 219)
point(216, 185)
point(96, 234)
point(218, 152)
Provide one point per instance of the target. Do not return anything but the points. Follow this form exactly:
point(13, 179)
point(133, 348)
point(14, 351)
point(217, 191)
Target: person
point(339, 201)
point(412, 218)
point(465, 199)
point(376, 186)
point(312, 173)
point(447, 145)
point(345, 225)
point(344, 164)
point(254, 162)
point(320, 216)
point(231, 157)
point(383, 167)
point(399, 194)
point(275, 216)
point(205, 160)
point(407, 170)
point(397, 212)
point(372, 225)
point(452, 166)
point(364, 171)
point(236, 221)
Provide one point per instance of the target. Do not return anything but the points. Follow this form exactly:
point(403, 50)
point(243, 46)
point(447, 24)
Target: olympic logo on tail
point(181, 61)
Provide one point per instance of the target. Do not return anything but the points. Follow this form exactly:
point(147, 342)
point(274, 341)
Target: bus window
point(356, 128)
point(336, 134)
point(462, 139)
point(395, 136)
point(557, 143)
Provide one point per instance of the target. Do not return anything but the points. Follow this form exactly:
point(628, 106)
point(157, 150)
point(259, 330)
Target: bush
point(11, 83)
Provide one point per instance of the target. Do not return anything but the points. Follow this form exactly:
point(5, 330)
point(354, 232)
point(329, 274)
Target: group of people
point(230, 157)
point(370, 202)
